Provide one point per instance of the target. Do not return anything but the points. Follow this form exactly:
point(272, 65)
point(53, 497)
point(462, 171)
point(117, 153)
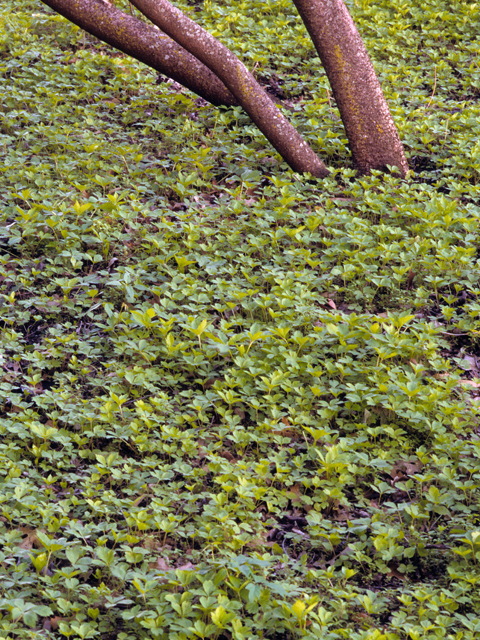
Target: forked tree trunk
point(145, 43)
point(370, 129)
point(233, 73)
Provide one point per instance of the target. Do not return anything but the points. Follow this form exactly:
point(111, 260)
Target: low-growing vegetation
point(237, 403)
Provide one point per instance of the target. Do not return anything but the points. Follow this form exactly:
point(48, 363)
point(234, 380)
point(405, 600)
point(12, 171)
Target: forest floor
point(237, 403)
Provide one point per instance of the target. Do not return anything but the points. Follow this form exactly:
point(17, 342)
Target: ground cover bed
point(237, 403)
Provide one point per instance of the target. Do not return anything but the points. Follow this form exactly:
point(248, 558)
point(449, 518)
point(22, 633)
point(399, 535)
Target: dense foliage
point(237, 403)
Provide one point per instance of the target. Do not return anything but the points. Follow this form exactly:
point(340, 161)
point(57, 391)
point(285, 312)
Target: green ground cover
point(237, 403)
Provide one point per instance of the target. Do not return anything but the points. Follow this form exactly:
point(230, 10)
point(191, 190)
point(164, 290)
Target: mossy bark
point(146, 43)
point(372, 134)
point(236, 77)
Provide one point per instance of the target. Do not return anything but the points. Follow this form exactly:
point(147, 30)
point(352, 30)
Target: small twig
point(447, 333)
point(437, 546)
point(283, 547)
point(434, 88)
point(446, 131)
point(138, 399)
point(329, 103)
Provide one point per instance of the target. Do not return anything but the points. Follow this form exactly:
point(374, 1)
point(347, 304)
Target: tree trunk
point(370, 129)
point(145, 43)
point(239, 80)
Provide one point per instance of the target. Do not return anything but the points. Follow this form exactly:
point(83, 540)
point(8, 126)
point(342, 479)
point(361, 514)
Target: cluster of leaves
point(236, 403)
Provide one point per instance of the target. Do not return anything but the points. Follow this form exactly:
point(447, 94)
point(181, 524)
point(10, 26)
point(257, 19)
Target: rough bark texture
point(370, 129)
point(145, 43)
point(239, 80)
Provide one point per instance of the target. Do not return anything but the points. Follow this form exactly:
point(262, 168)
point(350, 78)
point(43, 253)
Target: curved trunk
point(370, 129)
point(239, 80)
point(145, 43)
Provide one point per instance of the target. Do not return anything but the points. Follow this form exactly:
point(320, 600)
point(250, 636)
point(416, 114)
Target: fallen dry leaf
point(161, 564)
point(393, 573)
point(297, 495)
point(405, 468)
point(52, 624)
point(470, 383)
point(186, 567)
point(31, 539)
point(227, 455)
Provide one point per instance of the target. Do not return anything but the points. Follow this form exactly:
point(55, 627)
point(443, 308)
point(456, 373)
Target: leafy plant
point(234, 406)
